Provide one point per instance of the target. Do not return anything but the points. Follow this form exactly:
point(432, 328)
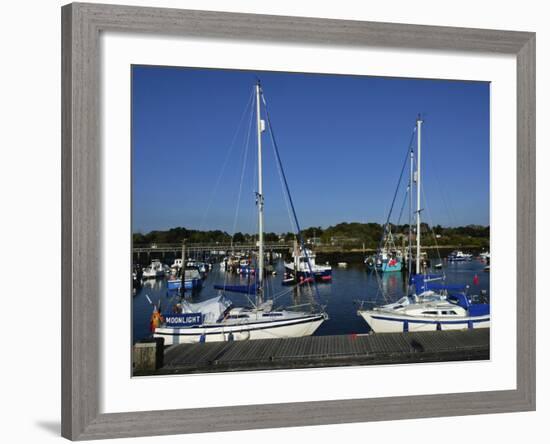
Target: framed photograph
point(262, 215)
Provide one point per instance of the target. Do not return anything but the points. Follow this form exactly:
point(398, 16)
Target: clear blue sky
point(342, 141)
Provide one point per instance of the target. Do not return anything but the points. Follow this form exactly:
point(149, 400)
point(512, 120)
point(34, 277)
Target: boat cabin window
point(270, 315)
point(429, 312)
point(240, 316)
point(448, 312)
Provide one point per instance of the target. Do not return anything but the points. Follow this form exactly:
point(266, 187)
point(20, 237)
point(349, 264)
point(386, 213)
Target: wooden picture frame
point(81, 172)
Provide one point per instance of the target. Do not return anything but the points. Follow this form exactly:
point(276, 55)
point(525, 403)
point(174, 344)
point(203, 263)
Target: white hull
point(152, 275)
point(261, 330)
point(304, 267)
point(382, 322)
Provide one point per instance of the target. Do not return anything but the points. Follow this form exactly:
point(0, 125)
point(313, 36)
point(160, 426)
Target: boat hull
point(385, 267)
point(152, 275)
point(219, 333)
point(320, 275)
point(190, 284)
point(381, 322)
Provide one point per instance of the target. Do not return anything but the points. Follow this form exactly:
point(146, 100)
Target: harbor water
point(349, 286)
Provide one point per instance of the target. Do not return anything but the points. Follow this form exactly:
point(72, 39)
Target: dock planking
point(326, 351)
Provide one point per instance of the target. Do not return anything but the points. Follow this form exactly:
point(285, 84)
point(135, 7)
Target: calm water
point(348, 285)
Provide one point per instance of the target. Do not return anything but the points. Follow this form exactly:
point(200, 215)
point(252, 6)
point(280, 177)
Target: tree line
point(345, 234)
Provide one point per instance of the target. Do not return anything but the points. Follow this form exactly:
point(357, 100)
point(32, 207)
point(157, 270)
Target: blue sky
point(342, 140)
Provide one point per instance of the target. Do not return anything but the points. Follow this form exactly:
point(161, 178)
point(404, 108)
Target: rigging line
point(410, 221)
point(293, 228)
point(243, 168)
point(443, 191)
point(399, 218)
point(283, 293)
point(403, 206)
point(227, 157)
point(299, 232)
point(253, 221)
point(431, 227)
point(401, 176)
point(285, 197)
point(392, 205)
point(422, 190)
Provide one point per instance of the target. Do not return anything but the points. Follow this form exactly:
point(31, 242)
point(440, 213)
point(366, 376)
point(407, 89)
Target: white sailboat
point(452, 313)
point(155, 270)
point(431, 307)
point(217, 319)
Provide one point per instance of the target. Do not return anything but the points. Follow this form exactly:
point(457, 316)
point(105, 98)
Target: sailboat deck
point(327, 351)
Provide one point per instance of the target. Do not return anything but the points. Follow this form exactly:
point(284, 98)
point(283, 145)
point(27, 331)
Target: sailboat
point(218, 319)
point(389, 258)
point(192, 278)
point(433, 305)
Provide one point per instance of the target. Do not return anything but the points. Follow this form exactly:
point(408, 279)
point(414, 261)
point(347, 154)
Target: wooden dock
point(325, 351)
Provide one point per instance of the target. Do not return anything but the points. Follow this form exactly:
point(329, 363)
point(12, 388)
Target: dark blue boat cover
point(246, 289)
point(473, 309)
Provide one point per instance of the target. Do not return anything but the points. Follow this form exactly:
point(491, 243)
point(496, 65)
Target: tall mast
point(182, 288)
point(260, 199)
point(411, 180)
point(418, 190)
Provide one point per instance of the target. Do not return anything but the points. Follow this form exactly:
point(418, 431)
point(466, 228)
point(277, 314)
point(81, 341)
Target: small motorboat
point(459, 256)
point(155, 270)
point(304, 265)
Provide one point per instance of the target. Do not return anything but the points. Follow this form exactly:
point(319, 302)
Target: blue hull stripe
point(418, 321)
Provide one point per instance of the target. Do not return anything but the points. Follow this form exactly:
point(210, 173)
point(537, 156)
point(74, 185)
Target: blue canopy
point(246, 289)
point(449, 287)
point(473, 309)
point(459, 299)
point(425, 282)
point(424, 277)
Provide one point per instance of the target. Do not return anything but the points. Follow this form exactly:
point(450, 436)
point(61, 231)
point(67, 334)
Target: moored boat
point(218, 319)
point(192, 281)
point(456, 311)
point(155, 270)
point(385, 261)
point(459, 256)
point(432, 305)
point(485, 255)
point(303, 266)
